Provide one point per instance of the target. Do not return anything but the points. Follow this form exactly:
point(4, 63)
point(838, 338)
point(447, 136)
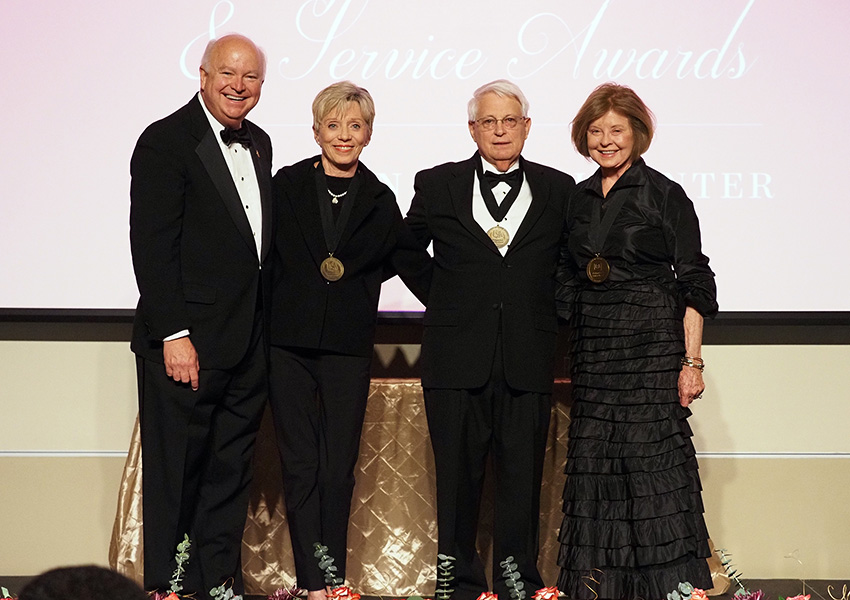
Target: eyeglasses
point(509, 122)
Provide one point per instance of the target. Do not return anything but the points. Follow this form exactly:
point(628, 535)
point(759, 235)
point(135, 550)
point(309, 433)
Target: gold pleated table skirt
point(392, 533)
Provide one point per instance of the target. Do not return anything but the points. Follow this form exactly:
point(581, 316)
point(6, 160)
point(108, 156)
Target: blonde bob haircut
point(334, 99)
point(622, 100)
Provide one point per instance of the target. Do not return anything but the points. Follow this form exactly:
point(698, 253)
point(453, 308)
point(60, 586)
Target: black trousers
point(197, 448)
point(466, 426)
point(318, 400)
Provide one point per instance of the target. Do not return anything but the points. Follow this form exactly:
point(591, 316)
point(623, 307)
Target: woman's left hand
point(691, 385)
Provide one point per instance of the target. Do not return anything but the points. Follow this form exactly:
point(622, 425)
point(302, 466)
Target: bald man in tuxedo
point(200, 232)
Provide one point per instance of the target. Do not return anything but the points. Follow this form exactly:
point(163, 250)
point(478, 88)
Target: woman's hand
point(691, 385)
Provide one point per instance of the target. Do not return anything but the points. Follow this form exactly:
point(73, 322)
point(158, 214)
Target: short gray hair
point(502, 88)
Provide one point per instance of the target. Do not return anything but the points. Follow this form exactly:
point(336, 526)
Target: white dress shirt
point(241, 166)
point(515, 215)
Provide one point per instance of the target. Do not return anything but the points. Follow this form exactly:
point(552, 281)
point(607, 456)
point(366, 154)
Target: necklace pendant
point(335, 197)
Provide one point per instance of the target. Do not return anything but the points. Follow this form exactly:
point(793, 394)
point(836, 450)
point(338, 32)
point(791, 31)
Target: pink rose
point(756, 595)
point(285, 593)
point(547, 593)
point(488, 596)
point(800, 597)
point(343, 593)
point(698, 594)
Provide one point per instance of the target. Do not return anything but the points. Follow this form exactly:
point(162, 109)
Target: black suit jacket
point(337, 316)
point(194, 255)
point(476, 292)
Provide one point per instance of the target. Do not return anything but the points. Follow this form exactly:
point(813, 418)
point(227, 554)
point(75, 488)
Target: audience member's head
point(83, 583)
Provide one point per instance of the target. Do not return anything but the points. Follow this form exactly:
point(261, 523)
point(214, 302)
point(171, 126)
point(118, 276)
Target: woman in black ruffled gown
point(635, 286)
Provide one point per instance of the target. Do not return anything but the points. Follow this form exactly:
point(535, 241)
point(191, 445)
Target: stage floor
point(773, 589)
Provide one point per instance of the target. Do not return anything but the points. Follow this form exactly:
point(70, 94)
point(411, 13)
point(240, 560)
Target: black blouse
point(654, 237)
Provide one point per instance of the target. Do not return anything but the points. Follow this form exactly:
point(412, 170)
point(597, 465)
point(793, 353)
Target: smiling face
point(500, 147)
point(231, 81)
point(342, 137)
point(610, 143)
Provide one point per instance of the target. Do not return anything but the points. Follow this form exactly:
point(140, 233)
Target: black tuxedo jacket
point(475, 292)
point(337, 316)
point(194, 255)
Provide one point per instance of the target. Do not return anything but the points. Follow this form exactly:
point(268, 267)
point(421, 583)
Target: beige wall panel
point(66, 396)
point(762, 510)
point(768, 399)
point(759, 399)
point(56, 511)
point(80, 397)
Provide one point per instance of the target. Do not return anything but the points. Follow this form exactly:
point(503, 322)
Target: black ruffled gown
point(633, 516)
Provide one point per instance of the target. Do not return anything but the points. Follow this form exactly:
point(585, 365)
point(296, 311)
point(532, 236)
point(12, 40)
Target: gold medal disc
point(598, 269)
point(332, 268)
point(499, 235)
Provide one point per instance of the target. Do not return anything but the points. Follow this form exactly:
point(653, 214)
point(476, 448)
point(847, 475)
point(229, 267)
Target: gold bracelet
point(693, 361)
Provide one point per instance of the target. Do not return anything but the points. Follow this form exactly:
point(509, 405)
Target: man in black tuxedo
point(496, 222)
point(200, 234)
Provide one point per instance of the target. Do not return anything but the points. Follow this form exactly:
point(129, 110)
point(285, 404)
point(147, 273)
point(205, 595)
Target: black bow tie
point(512, 179)
point(231, 136)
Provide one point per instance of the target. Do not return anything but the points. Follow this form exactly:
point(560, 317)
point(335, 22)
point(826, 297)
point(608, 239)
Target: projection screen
point(750, 98)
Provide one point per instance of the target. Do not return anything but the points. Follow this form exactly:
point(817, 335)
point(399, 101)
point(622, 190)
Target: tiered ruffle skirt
point(633, 516)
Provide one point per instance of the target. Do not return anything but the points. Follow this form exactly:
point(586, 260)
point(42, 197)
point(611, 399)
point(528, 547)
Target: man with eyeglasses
point(488, 349)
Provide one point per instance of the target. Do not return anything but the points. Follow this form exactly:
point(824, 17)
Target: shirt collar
point(489, 167)
point(216, 126)
point(635, 175)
